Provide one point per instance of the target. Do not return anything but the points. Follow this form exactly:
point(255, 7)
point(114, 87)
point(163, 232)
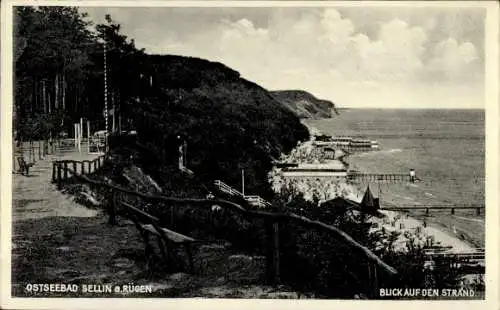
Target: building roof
point(368, 201)
point(348, 204)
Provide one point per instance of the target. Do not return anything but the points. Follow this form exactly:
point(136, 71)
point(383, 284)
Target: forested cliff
point(228, 123)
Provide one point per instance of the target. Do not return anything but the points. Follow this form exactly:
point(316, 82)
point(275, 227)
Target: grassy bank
point(89, 251)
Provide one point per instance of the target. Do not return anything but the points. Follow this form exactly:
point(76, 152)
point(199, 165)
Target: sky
point(380, 57)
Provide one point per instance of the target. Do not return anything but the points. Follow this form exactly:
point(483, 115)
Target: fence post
point(172, 216)
point(112, 208)
point(276, 240)
point(29, 152)
point(90, 166)
point(82, 168)
point(478, 211)
point(74, 168)
point(65, 170)
point(39, 151)
point(427, 211)
point(452, 211)
point(59, 175)
point(54, 171)
point(372, 280)
point(273, 254)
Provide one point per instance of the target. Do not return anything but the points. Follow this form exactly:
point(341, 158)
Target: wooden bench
point(23, 166)
point(167, 239)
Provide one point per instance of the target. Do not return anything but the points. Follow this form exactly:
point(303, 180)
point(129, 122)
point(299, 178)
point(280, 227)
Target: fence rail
point(31, 151)
point(227, 189)
point(63, 170)
point(254, 200)
point(370, 268)
point(257, 201)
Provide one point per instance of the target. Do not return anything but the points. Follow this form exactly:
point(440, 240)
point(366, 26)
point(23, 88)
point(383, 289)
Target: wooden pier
point(354, 149)
point(427, 208)
point(382, 177)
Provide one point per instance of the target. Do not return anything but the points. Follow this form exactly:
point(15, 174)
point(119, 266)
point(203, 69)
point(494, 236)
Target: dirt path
point(34, 196)
point(56, 240)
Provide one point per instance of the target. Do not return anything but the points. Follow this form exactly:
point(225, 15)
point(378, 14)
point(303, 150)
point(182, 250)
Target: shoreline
point(460, 238)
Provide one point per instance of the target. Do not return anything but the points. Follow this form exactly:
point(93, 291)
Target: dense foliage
point(59, 69)
point(409, 263)
point(228, 123)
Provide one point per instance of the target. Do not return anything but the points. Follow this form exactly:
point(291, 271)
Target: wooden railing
point(257, 201)
point(227, 189)
point(63, 170)
point(254, 200)
point(369, 270)
point(33, 151)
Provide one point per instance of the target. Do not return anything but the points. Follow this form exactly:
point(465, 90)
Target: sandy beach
point(443, 228)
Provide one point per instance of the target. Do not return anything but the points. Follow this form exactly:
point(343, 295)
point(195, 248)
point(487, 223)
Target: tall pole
point(184, 153)
point(106, 92)
point(181, 156)
point(113, 109)
point(243, 181)
point(88, 136)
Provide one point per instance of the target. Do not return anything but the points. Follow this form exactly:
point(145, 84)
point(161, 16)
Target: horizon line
point(409, 108)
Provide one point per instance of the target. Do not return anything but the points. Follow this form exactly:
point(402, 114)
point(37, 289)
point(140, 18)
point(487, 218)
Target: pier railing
point(441, 207)
point(285, 239)
point(383, 177)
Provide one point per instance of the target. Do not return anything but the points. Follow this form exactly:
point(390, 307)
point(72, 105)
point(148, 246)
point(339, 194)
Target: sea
point(446, 147)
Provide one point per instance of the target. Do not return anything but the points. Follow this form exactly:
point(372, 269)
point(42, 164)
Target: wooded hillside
point(228, 123)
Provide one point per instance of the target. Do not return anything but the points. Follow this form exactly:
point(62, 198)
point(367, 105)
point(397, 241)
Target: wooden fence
point(366, 269)
point(64, 170)
point(37, 150)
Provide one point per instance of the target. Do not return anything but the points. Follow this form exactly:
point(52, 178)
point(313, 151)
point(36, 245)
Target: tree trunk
point(56, 91)
point(33, 96)
point(119, 100)
point(75, 104)
point(63, 92)
point(34, 103)
point(44, 98)
point(49, 102)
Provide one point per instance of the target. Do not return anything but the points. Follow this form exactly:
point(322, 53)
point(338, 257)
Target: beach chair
point(23, 166)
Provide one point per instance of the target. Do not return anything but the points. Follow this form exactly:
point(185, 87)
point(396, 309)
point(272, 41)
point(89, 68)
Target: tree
point(123, 65)
point(51, 68)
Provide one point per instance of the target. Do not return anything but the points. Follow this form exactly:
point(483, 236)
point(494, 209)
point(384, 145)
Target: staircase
point(253, 200)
